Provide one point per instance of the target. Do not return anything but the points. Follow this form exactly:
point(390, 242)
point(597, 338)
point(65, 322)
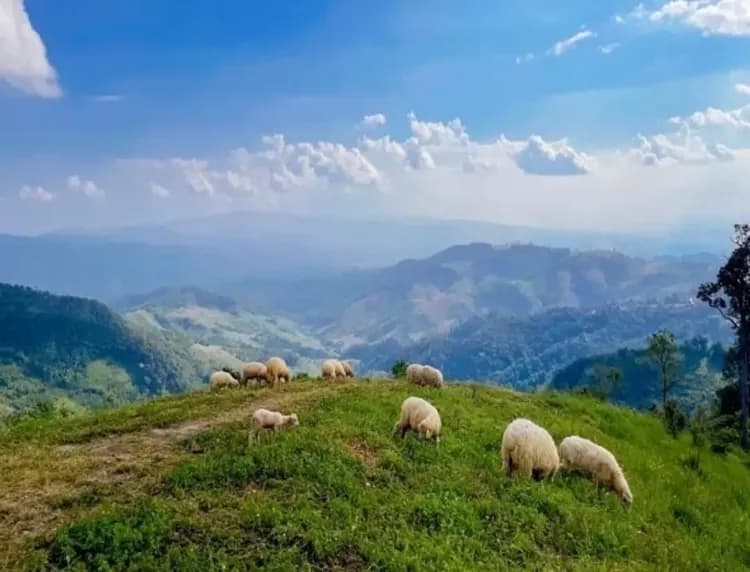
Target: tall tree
point(663, 352)
point(729, 294)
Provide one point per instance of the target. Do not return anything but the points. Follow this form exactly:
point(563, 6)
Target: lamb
point(431, 377)
point(271, 421)
point(328, 369)
point(276, 369)
point(420, 416)
point(254, 370)
point(529, 450)
point(414, 373)
point(340, 371)
point(348, 369)
point(221, 380)
point(596, 463)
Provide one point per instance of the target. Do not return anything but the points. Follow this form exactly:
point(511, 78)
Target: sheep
point(340, 371)
point(596, 463)
point(348, 369)
point(420, 416)
point(271, 421)
point(254, 370)
point(328, 369)
point(529, 450)
point(431, 376)
point(414, 373)
point(276, 369)
point(221, 380)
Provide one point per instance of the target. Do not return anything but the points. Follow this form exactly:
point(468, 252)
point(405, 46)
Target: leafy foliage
point(398, 369)
point(662, 351)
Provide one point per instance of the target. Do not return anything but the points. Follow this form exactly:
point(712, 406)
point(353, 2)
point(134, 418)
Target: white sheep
point(328, 369)
point(348, 369)
point(596, 463)
point(254, 370)
point(420, 416)
point(414, 373)
point(276, 369)
point(431, 377)
point(221, 380)
point(529, 450)
point(340, 371)
point(263, 419)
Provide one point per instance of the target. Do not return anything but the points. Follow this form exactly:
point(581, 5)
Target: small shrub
point(398, 371)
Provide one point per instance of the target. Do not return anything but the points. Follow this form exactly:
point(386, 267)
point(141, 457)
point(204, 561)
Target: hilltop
point(171, 484)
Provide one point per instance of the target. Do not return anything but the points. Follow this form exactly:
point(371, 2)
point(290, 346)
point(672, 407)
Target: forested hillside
point(60, 346)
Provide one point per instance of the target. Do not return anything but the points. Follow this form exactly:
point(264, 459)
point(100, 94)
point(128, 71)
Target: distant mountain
point(528, 352)
point(65, 347)
point(212, 320)
point(698, 379)
point(420, 299)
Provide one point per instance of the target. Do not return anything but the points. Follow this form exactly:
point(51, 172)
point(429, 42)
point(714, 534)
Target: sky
point(609, 116)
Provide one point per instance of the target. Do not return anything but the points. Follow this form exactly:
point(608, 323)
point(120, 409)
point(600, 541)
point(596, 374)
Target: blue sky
point(137, 111)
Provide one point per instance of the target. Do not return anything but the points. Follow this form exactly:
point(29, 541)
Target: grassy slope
point(339, 491)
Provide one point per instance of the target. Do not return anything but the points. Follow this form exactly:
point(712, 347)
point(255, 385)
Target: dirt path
point(44, 487)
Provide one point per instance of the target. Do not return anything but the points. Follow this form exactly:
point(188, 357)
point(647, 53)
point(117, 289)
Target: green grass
point(339, 492)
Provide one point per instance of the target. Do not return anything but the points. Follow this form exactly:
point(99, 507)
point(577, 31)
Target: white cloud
point(88, 188)
point(742, 88)
point(683, 147)
point(160, 191)
point(437, 133)
point(525, 58)
point(712, 17)
point(607, 49)
point(374, 120)
point(23, 57)
point(540, 157)
point(37, 194)
point(564, 45)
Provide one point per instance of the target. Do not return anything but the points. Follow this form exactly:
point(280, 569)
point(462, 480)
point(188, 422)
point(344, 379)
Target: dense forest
point(59, 346)
point(699, 374)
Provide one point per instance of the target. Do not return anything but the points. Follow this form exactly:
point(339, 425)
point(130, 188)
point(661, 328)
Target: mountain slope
point(63, 346)
point(185, 492)
point(416, 299)
point(214, 320)
point(527, 352)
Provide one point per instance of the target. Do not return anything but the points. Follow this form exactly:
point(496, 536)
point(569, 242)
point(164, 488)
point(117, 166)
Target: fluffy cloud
point(23, 57)
point(374, 120)
point(742, 88)
point(160, 191)
point(88, 188)
point(37, 194)
point(721, 118)
point(196, 175)
point(565, 45)
point(712, 17)
point(540, 157)
point(682, 147)
point(437, 133)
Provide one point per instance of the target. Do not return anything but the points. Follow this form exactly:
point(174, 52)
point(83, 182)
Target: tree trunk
point(744, 397)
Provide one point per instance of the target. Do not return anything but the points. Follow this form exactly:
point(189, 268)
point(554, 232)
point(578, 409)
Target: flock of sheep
point(527, 449)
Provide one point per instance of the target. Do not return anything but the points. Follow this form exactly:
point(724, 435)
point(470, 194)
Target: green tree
point(729, 294)
point(399, 369)
point(662, 351)
point(606, 380)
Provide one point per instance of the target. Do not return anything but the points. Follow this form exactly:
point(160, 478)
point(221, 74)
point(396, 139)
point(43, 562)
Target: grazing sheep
point(340, 371)
point(328, 369)
point(270, 421)
point(254, 370)
point(420, 416)
point(529, 450)
point(414, 373)
point(348, 369)
point(596, 463)
point(431, 377)
point(276, 369)
point(221, 380)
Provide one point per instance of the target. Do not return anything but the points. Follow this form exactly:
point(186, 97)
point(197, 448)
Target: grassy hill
point(172, 484)
point(62, 347)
